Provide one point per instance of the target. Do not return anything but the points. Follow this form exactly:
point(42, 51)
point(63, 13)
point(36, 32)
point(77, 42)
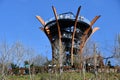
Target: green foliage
point(26, 63)
point(15, 68)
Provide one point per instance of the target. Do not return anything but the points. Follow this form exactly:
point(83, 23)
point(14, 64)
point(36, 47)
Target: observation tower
point(67, 34)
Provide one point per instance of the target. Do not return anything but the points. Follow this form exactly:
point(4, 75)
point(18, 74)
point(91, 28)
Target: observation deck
point(66, 22)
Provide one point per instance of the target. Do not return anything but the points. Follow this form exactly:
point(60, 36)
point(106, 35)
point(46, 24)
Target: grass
point(67, 76)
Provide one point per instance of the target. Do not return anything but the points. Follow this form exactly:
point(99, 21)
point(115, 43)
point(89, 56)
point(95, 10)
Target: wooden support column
point(84, 37)
point(59, 35)
point(72, 44)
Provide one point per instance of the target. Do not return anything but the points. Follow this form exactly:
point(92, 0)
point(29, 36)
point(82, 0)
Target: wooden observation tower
point(68, 34)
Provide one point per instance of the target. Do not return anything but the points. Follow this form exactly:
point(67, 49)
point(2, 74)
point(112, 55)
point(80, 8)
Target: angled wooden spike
point(43, 23)
point(41, 20)
point(87, 31)
point(83, 39)
point(94, 20)
point(59, 35)
point(94, 30)
point(56, 17)
point(76, 19)
point(91, 23)
point(84, 43)
point(46, 29)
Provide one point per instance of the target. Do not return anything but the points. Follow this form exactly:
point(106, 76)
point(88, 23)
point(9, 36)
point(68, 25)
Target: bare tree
point(29, 57)
point(5, 58)
point(39, 60)
point(116, 50)
point(18, 51)
point(80, 59)
point(88, 49)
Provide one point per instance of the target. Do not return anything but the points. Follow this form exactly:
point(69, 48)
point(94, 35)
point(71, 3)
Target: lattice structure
point(68, 34)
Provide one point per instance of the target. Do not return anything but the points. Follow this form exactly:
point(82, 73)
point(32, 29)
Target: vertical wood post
point(59, 35)
point(72, 44)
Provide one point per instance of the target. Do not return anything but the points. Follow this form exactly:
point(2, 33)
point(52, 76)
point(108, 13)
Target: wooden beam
point(84, 37)
point(72, 44)
point(41, 20)
point(94, 30)
point(59, 35)
point(46, 29)
point(94, 20)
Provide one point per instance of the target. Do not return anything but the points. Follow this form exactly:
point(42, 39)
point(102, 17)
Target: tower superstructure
point(67, 34)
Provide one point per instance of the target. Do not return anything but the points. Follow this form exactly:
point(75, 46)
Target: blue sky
point(18, 21)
